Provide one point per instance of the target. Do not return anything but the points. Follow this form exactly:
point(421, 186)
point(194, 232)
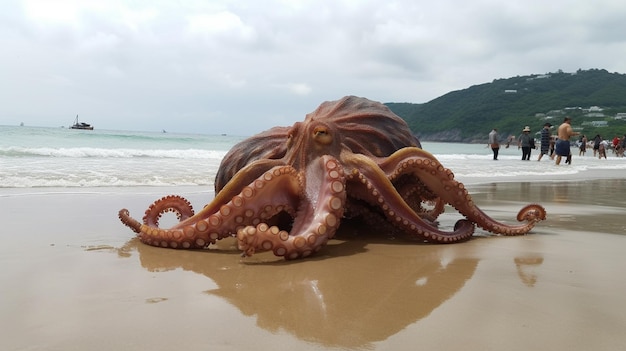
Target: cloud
point(299, 88)
point(240, 67)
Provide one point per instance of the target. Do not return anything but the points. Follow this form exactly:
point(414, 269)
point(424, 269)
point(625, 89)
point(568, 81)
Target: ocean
point(38, 157)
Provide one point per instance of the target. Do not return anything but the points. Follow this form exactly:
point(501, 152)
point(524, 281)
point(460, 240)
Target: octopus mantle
point(289, 188)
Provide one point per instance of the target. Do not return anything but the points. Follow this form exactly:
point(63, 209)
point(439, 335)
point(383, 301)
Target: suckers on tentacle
point(314, 224)
point(260, 200)
point(441, 181)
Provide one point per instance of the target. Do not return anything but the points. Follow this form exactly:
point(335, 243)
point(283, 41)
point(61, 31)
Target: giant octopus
point(288, 189)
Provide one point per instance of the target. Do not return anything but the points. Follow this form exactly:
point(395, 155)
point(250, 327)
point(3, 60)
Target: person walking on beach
point(602, 149)
point(525, 143)
point(509, 140)
point(562, 147)
point(622, 146)
point(583, 145)
point(615, 144)
point(596, 144)
point(494, 144)
point(545, 141)
point(552, 143)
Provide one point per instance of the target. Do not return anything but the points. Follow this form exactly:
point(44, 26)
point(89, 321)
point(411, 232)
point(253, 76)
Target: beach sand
point(73, 278)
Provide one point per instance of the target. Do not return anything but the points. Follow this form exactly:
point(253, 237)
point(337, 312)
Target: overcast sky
point(243, 66)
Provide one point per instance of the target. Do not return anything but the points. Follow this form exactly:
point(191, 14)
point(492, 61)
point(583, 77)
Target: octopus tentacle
point(129, 221)
point(416, 195)
point(273, 192)
point(372, 185)
point(315, 223)
point(171, 203)
point(441, 181)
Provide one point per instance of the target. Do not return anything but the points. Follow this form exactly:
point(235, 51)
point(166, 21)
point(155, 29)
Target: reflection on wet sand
point(345, 298)
point(570, 205)
point(524, 267)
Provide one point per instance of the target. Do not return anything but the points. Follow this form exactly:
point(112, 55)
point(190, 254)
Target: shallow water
point(58, 157)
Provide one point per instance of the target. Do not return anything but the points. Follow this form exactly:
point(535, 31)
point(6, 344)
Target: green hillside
point(591, 97)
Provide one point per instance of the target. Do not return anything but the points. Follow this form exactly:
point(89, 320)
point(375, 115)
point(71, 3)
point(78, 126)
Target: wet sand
point(73, 278)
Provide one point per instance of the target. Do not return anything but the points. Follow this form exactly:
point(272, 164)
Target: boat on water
point(81, 125)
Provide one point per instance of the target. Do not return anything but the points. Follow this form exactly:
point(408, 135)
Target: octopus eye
point(322, 135)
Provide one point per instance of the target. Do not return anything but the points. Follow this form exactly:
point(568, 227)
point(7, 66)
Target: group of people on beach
point(558, 146)
point(599, 145)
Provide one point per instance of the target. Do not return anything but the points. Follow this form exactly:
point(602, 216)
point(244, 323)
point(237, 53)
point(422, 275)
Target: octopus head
point(310, 140)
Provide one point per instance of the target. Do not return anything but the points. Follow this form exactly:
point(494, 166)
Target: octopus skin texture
point(289, 188)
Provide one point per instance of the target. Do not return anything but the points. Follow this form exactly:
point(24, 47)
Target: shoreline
point(74, 278)
point(585, 175)
point(579, 175)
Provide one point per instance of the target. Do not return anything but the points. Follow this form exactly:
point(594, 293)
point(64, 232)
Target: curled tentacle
point(270, 194)
point(532, 212)
point(171, 203)
point(129, 221)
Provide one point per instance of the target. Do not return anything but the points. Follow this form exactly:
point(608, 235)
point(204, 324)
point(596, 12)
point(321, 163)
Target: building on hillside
point(556, 113)
point(596, 123)
point(540, 76)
